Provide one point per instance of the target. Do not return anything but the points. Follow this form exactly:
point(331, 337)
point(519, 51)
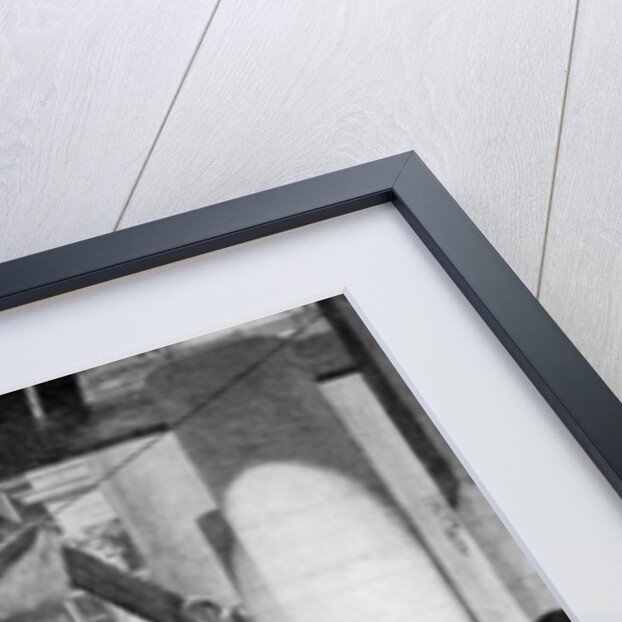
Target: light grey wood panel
point(281, 91)
point(582, 273)
point(84, 87)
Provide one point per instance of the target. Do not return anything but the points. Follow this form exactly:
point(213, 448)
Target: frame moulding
point(572, 388)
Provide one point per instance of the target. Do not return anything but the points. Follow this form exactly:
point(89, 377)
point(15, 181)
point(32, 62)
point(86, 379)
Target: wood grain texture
point(84, 87)
point(280, 92)
point(582, 275)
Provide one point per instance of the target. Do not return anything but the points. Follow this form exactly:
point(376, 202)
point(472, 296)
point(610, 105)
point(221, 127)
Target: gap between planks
point(547, 217)
point(166, 115)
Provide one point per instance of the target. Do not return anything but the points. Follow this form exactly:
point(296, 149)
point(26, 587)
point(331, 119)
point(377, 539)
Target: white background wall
point(114, 113)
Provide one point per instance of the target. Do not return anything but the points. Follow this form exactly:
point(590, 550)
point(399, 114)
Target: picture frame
point(575, 392)
point(490, 369)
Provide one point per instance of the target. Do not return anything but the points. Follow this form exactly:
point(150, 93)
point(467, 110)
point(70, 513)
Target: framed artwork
point(328, 400)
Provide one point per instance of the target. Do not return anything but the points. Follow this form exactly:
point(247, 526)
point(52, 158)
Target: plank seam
point(547, 217)
point(166, 116)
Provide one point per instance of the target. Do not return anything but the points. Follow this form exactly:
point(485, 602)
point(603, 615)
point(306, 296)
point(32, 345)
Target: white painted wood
point(582, 276)
point(84, 87)
point(159, 498)
point(477, 515)
point(449, 543)
point(282, 91)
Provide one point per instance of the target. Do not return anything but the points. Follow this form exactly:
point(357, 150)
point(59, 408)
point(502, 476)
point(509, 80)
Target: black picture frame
point(572, 388)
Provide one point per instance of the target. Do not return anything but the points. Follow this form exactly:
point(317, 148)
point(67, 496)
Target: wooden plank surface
point(84, 87)
point(582, 275)
point(147, 600)
point(282, 92)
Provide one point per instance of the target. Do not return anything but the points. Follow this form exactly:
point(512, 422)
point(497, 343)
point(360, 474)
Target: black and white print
point(280, 471)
